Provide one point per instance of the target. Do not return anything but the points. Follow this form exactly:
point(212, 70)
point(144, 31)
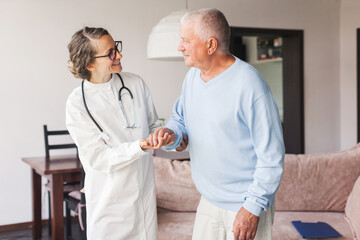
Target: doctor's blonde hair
point(82, 51)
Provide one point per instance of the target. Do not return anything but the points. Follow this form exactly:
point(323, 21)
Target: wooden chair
point(49, 147)
point(68, 187)
point(75, 201)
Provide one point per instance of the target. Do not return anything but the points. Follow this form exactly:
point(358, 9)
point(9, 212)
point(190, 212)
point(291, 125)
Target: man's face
point(193, 49)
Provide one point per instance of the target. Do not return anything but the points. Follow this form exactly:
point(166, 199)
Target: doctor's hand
point(144, 144)
point(245, 225)
point(183, 144)
point(161, 137)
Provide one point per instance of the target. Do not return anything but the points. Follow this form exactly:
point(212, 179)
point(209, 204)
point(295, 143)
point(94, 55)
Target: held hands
point(161, 137)
point(245, 225)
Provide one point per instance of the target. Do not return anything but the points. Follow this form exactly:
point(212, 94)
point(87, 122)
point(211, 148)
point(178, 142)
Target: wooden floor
point(26, 234)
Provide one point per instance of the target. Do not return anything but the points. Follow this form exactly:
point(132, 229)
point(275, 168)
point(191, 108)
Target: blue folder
point(315, 230)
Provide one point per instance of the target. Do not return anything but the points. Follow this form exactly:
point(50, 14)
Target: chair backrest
point(49, 147)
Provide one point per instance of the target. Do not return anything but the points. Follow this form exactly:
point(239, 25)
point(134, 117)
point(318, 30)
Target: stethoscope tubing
point(103, 134)
point(87, 109)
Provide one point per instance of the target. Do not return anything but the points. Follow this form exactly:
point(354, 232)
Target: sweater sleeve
point(266, 135)
point(176, 123)
point(93, 150)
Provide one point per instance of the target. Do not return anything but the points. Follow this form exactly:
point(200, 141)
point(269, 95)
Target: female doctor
point(108, 117)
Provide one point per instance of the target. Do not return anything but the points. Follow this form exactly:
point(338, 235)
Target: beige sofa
point(315, 187)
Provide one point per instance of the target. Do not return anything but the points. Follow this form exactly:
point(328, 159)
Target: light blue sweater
point(235, 137)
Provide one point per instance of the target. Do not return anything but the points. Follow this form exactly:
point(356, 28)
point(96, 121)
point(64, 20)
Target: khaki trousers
point(213, 223)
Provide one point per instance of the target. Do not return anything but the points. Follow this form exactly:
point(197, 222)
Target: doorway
point(292, 59)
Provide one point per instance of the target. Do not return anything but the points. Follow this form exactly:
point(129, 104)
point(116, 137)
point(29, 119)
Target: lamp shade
point(164, 38)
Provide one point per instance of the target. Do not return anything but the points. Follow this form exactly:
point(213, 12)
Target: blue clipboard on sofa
point(315, 230)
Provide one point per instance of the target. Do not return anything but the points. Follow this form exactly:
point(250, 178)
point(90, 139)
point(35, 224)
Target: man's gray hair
point(210, 22)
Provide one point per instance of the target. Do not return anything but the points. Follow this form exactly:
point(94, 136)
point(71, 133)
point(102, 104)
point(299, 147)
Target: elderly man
point(235, 138)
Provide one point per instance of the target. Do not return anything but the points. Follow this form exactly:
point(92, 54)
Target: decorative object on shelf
point(162, 121)
point(269, 48)
point(164, 37)
point(263, 49)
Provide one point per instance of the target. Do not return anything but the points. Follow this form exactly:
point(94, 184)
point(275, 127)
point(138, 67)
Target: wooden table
point(56, 169)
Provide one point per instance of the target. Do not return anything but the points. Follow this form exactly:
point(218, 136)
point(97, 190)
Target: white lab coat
point(119, 182)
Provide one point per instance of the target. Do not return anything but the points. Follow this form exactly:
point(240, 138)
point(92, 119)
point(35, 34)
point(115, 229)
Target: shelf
point(267, 61)
point(256, 48)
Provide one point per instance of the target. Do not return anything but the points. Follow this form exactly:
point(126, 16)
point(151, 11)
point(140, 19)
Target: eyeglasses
point(112, 53)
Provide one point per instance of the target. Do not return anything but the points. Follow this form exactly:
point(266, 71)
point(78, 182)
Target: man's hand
point(144, 143)
point(161, 137)
point(183, 144)
point(245, 225)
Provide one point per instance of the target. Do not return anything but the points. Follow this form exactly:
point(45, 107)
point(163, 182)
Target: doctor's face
point(103, 64)
point(192, 47)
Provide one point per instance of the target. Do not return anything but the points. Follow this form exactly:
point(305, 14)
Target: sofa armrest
point(352, 209)
point(318, 182)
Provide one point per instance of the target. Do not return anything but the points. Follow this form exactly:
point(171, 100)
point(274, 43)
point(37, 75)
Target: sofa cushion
point(318, 182)
point(352, 209)
point(175, 225)
point(284, 230)
point(175, 188)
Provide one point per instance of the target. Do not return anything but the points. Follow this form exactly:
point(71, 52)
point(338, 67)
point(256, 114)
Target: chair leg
point(49, 213)
point(68, 222)
point(83, 216)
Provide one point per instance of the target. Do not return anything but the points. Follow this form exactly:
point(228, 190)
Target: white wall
point(350, 21)
point(36, 82)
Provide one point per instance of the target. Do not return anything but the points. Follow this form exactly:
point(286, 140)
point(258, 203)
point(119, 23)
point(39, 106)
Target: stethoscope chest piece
point(125, 89)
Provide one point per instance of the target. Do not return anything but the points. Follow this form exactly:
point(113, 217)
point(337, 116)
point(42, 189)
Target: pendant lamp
point(164, 38)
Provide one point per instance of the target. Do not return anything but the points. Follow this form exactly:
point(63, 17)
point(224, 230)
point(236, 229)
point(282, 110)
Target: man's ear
point(212, 45)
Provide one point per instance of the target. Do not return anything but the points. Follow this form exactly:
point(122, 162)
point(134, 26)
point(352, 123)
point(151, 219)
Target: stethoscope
point(123, 88)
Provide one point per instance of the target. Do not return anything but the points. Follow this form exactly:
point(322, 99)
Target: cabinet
point(263, 49)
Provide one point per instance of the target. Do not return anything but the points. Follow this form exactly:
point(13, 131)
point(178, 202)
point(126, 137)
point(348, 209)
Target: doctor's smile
point(117, 64)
